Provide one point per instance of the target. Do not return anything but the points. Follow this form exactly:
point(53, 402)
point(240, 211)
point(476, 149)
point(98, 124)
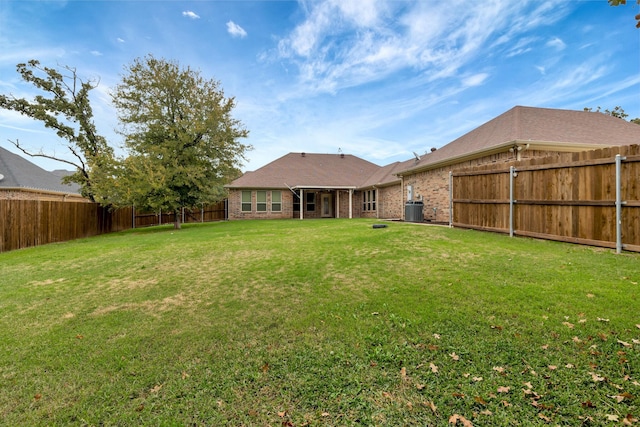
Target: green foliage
point(616, 112)
point(318, 323)
point(183, 141)
point(66, 109)
point(622, 2)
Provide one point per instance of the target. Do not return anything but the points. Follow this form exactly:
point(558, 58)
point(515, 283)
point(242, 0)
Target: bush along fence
point(25, 223)
point(590, 198)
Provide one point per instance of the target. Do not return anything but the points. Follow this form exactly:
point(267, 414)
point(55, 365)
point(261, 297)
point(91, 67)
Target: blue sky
point(379, 79)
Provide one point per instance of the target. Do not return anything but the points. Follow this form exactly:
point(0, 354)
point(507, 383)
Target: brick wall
point(433, 185)
point(29, 194)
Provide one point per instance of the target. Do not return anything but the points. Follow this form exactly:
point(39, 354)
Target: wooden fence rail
point(25, 223)
point(581, 198)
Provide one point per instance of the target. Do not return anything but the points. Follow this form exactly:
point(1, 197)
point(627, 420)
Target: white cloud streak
point(236, 30)
point(190, 14)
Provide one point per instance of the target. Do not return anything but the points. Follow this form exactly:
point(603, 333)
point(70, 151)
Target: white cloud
point(342, 44)
point(96, 53)
point(556, 43)
point(120, 40)
point(475, 80)
point(236, 30)
point(190, 14)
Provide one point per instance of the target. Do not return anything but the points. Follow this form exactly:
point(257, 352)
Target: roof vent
point(433, 149)
point(1, 177)
point(342, 155)
point(303, 154)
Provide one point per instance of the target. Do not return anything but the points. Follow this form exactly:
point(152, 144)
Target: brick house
point(22, 180)
point(300, 185)
point(308, 185)
point(518, 134)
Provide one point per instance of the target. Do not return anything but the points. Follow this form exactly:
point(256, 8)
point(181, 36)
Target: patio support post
point(302, 204)
point(337, 203)
point(350, 203)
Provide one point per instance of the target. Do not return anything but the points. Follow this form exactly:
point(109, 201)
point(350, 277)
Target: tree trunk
point(176, 224)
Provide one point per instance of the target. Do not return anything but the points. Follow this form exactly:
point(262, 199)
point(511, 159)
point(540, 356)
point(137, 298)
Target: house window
point(369, 200)
point(311, 202)
point(276, 201)
point(296, 202)
point(246, 201)
point(261, 201)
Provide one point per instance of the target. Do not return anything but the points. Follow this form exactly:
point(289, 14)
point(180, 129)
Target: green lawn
point(318, 322)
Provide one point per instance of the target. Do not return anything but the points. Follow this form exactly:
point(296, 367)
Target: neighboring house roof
point(542, 129)
point(309, 170)
point(19, 173)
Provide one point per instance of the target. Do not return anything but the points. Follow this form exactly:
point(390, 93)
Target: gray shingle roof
point(18, 172)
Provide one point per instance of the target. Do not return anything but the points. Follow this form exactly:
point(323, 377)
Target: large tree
point(64, 107)
point(183, 142)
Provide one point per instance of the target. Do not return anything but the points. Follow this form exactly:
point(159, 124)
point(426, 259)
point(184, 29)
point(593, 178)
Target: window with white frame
point(369, 200)
point(246, 201)
point(311, 202)
point(261, 201)
point(276, 201)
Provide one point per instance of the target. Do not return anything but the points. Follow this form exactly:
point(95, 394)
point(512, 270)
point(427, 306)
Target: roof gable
point(309, 170)
point(18, 172)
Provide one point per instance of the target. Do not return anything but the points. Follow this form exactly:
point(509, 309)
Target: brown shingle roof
point(544, 128)
point(309, 170)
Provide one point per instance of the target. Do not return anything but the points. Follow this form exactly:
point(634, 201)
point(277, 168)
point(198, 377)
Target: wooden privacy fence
point(590, 198)
point(25, 223)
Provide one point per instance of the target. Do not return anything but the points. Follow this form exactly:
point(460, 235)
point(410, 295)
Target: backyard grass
point(318, 323)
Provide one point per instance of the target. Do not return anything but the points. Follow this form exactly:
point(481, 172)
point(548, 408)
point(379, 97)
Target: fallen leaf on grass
point(480, 400)
point(600, 319)
point(486, 412)
point(433, 368)
point(156, 388)
point(436, 336)
point(37, 396)
point(590, 295)
point(588, 404)
point(324, 414)
point(502, 389)
point(184, 375)
point(499, 369)
point(453, 419)
point(577, 340)
point(477, 379)
point(281, 414)
point(403, 373)
point(596, 378)
point(629, 420)
point(613, 418)
point(638, 326)
point(544, 417)
point(454, 356)
point(431, 406)
point(552, 367)
point(622, 396)
point(626, 344)
point(568, 325)
point(79, 337)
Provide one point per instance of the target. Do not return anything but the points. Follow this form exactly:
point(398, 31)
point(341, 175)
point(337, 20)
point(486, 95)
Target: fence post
point(618, 204)
point(512, 174)
point(450, 198)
